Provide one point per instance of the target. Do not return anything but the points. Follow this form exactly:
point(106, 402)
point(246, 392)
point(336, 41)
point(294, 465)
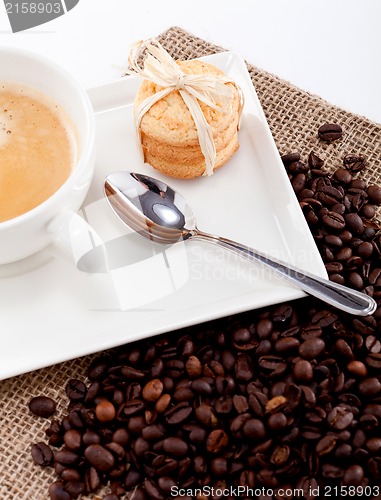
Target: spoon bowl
point(150, 207)
point(158, 212)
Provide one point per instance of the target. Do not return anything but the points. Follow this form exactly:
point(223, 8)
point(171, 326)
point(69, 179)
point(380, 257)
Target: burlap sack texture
point(294, 117)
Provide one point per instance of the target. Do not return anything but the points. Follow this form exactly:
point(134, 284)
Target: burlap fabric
point(294, 117)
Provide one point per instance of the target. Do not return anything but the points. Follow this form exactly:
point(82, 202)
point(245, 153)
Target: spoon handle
point(344, 298)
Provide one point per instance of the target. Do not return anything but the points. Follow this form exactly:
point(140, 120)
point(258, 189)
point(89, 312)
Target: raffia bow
point(159, 68)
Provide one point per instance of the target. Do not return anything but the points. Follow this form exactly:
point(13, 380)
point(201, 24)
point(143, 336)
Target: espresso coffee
point(36, 149)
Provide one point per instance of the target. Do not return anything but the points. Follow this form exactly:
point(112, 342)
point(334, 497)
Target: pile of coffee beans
point(340, 211)
point(280, 398)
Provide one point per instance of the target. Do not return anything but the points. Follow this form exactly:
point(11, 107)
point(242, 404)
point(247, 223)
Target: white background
point(329, 47)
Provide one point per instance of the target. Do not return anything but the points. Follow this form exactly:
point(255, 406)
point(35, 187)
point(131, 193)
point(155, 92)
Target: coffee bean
point(299, 182)
point(312, 218)
point(257, 403)
point(241, 335)
point(162, 403)
point(174, 368)
point(175, 446)
point(333, 241)
point(277, 421)
point(314, 161)
point(373, 344)
point(345, 236)
point(243, 367)
point(217, 441)
point(354, 223)
point(57, 492)
point(90, 437)
point(76, 390)
point(344, 349)
point(275, 404)
point(355, 281)
point(366, 325)
point(130, 408)
point(340, 418)
point(365, 250)
point(329, 196)
point(290, 158)
point(339, 208)
point(153, 390)
point(264, 328)
point(66, 457)
point(153, 432)
point(368, 211)
point(280, 455)
point(152, 490)
point(330, 132)
point(374, 445)
point(311, 331)
point(370, 386)
point(202, 386)
point(282, 313)
point(354, 163)
point(193, 367)
point(297, 167)
point(131, 373)
point(183, 394)
point(133, 478)
point(272, 365)
point(92, 480)
point(42, 454)
point(286, 344)
point(224, 405)
point(303, 371)
point(264, 347)
point(133, 391)
point(326, 445)
point(178, 413)
point(357, 368)
point(333, 220)
point(42, 406)
point(342, 176)
point(374, 193)
point(75, 488)
point(374, 361)
point(105, 411)
point(344, 254)
point(311, 348)
point(99, 457)
point(334, 267)
point(375, 277)
point(73, 439)
point(240, 403)
point(254, 429)
point(353, 475)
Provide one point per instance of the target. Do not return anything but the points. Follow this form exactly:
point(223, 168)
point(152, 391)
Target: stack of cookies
point(168, 133)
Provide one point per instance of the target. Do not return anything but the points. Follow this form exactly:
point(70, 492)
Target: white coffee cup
point(28, 233)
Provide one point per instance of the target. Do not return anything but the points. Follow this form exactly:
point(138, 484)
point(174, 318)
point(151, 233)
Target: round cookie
point(169, 136)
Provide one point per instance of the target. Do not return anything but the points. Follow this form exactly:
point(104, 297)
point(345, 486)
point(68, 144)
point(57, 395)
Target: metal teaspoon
point(159, 213)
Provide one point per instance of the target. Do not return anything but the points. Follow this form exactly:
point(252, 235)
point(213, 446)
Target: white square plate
point(51, 312)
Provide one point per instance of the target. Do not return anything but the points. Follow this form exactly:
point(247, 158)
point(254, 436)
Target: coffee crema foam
point(37, 148)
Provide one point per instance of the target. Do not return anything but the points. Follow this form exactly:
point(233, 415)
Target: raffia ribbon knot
point(159, 68)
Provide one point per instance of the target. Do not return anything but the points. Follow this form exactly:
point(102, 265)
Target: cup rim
point(88, 143)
